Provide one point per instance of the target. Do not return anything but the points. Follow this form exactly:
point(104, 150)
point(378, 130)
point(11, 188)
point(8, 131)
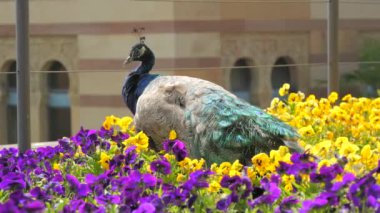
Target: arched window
point(11, 102)
point(240, 78)
point(58, 103)
point(281, 74)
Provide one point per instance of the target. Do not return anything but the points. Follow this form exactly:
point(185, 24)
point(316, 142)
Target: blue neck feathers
point(137, 81)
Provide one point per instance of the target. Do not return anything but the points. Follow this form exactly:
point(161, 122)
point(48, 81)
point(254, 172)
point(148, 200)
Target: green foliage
point(368, 73)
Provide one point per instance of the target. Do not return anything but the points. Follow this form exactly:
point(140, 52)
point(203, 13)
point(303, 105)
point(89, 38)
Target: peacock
point(214, 123)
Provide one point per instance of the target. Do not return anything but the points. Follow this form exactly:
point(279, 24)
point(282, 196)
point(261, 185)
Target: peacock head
point(139, 52)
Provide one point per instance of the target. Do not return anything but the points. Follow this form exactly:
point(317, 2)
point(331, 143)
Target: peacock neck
point(136, 82)
point(146, 65)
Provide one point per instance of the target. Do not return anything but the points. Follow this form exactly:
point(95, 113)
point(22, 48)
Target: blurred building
point(86, 41)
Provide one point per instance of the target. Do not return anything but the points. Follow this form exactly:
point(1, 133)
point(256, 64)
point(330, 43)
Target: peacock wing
point(228, 128)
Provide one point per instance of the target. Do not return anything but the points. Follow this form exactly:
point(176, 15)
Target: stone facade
point(199, 39)
point(42, 51)
point(265, 48)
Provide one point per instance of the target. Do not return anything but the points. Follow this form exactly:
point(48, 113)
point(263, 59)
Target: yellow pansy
point(276, 156)
point(274, 102)
point(124, 123)
point(140, 140)
point(311, 98)
point(306, 131)
point(214, 167)
point(339, 141)
point(301, 95)
point(236, 165)
point(284, 90)
point(293, 97)
point(169, 157)
point(110, 121)
point(262, 163)
point(322, 148)
point(324, 104)
point(333, 97)
point(234, 173)
point(251, 173)
point(214, 186)
point(224, 168)
point(172, 135)
point(377, 176)
point(180, 177)
point(330, 135)
point(56, 166)
point(348, 148)
point(185, 163)
point(198, 164)
point(347, 98)
point(104, 160)
point(366, 152)
point(317, 112)
point(288, 180)
point(376, 103)
point(107, 125)
point(190, 165)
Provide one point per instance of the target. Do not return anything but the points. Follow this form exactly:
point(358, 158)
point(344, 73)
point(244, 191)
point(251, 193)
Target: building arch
point(283, 72)
point(56, 106)
point(8, 98)
point(241, 76)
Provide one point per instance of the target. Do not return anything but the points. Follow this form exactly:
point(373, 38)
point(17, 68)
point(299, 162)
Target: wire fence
point(198, 68)
point(267, 1)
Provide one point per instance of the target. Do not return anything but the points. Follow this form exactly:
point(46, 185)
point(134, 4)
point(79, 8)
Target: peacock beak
point(128, 60)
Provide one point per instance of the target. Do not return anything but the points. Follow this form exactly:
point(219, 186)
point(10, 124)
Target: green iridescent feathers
point(228, 123)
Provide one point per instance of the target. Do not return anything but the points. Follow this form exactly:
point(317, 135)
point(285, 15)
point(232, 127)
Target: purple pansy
point(316, 203)
point(130, 155)
point(198, 179)
point(365, 191)
point(230, 182)
point(145, 208)
point(105, 199)
point(177, 147)
point(347, 178)
point(223, 204)
point(179, 150)
point(168, 145)
point(161, 166)
point(155, 200)
point(271, 194)
point(287, 204)
point(81, 189)
point(40, 194)
point(13, 180)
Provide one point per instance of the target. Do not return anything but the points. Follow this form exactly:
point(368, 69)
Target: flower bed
point(113, 170)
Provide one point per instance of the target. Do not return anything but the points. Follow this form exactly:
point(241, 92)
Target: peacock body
point(214, 123)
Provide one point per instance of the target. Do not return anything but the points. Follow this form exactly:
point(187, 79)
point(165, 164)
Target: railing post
point(332, 46)
point(23, 95)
